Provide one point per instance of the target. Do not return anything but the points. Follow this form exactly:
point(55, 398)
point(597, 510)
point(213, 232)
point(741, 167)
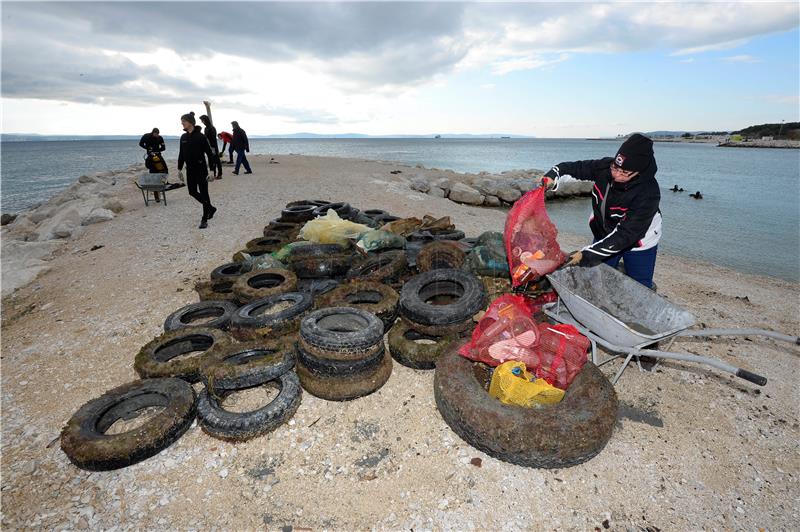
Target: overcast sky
point(550, 70)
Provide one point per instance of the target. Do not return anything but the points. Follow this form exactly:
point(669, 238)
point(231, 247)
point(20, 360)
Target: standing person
point(194, 148)
point(153, 144)
point(240, 145)
point(227, 140)
point(626, 220)
point(211, 134)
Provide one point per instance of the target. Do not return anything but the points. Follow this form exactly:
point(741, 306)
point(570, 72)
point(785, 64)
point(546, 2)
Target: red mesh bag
point(559, 355)
point(505, 332)
point(530, 239)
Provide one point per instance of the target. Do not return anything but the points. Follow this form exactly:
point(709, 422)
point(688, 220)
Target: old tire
point(241, 426)
point(254, 321)
point(320, 267)
point(404, 348)
point(298, 213)
point(239, 256)
point(550, 436)
point(264, 283)
point(84, 438)
point(440, 254)
point(467, 290)
point(229, 271)
point(371, 296)
point(215, 291)
point(158, 357)
point(428, 235)
point(320, 362)
point(385, 267)
point(243, 365)
point(460, 329)
point(342, 209)
point(341, 329)
point(345, 388)
point(220, 311)
point(271, 242)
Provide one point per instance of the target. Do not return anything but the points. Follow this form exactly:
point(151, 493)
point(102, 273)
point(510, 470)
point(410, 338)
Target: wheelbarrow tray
point(617, 308)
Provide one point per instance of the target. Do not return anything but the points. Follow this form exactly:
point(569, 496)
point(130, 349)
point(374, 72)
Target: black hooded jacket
point(211, 135)
point(151, 142)
point(194, 146)
point(240, 141)
point(624, 215)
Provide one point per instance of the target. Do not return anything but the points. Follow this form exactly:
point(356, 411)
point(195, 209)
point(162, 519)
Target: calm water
point(749, 218)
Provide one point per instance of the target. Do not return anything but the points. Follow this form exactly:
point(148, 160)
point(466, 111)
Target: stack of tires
point(341, 355)
point(372, 296)
point(436, 309)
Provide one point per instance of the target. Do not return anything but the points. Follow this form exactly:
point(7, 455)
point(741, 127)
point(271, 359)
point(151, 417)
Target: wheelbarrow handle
point(751, 377)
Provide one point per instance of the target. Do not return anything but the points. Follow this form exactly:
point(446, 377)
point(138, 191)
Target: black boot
point(211, 211)
point(203, 223)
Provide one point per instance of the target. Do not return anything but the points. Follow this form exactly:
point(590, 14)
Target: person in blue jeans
point(626, 220)
point(240, 145)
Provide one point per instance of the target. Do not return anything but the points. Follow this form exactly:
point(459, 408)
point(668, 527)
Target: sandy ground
point(693, 448)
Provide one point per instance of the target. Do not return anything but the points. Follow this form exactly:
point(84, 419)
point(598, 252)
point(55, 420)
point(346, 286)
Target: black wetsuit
point(193, 152)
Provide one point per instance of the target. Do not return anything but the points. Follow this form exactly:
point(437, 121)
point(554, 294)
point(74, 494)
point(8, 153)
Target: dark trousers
point(639, 265)
point(198, 189)
point(241, 159)
point(217, 161)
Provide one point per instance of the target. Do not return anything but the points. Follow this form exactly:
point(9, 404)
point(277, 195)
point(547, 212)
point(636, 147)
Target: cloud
point(687, 60)
point(305, 58)
point(744, 58)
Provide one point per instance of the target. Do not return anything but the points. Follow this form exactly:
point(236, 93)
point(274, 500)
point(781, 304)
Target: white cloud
point(743, 58)
point(525, 63)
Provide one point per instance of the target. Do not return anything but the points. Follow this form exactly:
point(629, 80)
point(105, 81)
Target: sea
point(748, 219)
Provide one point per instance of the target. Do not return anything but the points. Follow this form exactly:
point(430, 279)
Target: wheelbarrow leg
point(144, 195)
point(622, 367)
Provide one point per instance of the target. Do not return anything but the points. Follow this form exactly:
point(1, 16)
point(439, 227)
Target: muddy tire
point(460, 330)
point(341, 329)
point(84, 439)
point(288, 230)
point(442, 254)
point(253, 321)
point(239, 256)
point(429, 235)
point(315, 203)
point(243, 365)
point(386, 267)
point(273, 242)
point(264, 283)
point(298, 213)
point(405, 349)
point(371, 296)
point(215, 291)
point(549, 436)
point(229, 271)
point(326, 364)
point(241, 426)
point(342, 209)
point(467, 291)
point(375, 213)
point(220, 311)
point(158, 358)
point(317, 287)
point(345, 388)
point(315, 264)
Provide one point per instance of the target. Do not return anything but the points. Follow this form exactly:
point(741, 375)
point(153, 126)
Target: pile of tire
point(341, 354)
point(372, 296)
point(436, 309)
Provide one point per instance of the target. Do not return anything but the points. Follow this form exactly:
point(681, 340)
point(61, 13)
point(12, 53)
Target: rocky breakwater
point(490, 190)
point(32, 238)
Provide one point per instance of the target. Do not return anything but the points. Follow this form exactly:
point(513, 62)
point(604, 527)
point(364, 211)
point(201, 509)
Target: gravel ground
point(693, 448)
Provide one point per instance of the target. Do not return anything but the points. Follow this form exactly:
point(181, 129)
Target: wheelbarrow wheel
point(549, 436)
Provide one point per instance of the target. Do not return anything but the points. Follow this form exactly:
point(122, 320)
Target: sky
point(545, 69)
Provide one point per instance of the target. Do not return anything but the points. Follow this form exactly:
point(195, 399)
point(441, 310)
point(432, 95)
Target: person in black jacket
point(211, 136)
point(194, 149)
point(240, 145)
point(626, 220)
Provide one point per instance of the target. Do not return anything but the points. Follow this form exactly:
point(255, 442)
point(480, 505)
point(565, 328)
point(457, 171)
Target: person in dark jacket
point(211, 136)
point(153, 141)
point(153, 144)
point(240, 145)
point(193, 152)
point(626, 220)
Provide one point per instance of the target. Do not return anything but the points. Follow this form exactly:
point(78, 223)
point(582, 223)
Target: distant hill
point(23, 137)
point(789, 130)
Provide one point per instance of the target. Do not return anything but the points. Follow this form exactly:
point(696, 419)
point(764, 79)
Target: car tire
point(243, 365)
point(440, 254)
point(404, 348)
point(371, 296)
point(341, 329)
point(468, 291)
point(251, 322)
point(345, 388)
point(158, 357)
point(221, 311)
point(264, 283)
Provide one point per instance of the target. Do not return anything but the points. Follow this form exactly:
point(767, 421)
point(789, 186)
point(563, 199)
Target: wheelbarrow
point(624, 317)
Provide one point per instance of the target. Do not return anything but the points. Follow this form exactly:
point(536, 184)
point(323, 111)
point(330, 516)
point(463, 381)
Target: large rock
point(420, 185)
point(442, 183)
point(61, 225)
point(500, 188)
point(524, 185)
point(6, 218)
point(462, 193)
point(569, 186)
point(113, 205)
point(491, 201)
point(97, 216)
point(23, 261)
point(437, 192)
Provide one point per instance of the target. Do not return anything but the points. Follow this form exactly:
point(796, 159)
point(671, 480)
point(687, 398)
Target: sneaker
point(211, 212)
point(250, 172)
point(203, 224)
point(235, 173)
